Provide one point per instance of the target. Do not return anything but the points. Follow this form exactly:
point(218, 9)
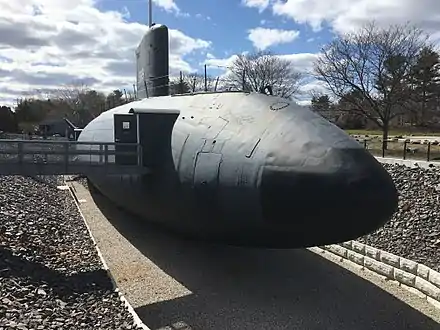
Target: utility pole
point(206, 80)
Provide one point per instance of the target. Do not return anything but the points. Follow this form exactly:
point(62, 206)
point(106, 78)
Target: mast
point(150, 13)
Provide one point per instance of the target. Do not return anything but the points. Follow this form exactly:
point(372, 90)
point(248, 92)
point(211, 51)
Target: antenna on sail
point(150, 13)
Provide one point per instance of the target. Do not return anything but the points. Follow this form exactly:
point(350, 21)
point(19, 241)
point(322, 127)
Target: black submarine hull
point(249, 170)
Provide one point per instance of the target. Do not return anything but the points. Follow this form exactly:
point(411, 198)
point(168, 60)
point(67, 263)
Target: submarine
point(238, 167)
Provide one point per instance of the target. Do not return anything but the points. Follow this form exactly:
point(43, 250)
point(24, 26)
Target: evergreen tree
point(115, 98)
point(321, 103)
point(424, 82)
point(179, 86)
point(8, 122)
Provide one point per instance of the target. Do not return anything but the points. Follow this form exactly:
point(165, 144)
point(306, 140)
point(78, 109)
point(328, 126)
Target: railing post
point(20, 153)
point(66, 157)
point(429, 152)
point(106, 155)
point(365, 143)
point(45, 156)
point(404, 150)
point(100, 153)
point(383, 147)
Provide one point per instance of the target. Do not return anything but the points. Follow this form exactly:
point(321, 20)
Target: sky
point(45, 44)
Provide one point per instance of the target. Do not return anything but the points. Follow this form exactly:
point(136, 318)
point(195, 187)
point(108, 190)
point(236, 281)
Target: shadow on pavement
point(242, 288)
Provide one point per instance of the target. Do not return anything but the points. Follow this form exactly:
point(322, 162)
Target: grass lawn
point(392, 132)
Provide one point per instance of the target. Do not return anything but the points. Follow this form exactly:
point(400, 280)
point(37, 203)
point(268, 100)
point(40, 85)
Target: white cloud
point(221, 63)
point(260, 4)
point(346, 15)
point(302, 62)
point(168, 5)
point(203, 17)
point(263, 38)
point(47, 43)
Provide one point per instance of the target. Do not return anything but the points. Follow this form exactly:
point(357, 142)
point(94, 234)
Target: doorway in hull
point(126, 131)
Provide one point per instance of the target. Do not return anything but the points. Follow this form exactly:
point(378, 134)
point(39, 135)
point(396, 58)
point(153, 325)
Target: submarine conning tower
point(152, 63)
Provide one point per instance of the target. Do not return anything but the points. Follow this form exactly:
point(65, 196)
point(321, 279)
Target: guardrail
point(37, 157)
point(403, 148)
point(24, 136)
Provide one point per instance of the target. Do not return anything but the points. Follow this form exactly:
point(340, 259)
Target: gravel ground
point(414, 231)
point(50, 274)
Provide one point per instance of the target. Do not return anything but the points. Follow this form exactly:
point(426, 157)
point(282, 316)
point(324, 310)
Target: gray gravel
point(50, 274)
point(414, 231)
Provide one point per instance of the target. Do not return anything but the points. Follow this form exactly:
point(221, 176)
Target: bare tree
point(179, 85)
point(79, 103)
point(196, 82)
point(72, 93)
point(370, 69)
point(256, 71)
point(191, 82)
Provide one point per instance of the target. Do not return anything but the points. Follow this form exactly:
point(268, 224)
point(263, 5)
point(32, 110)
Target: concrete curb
point(413, 276)
point(137, 321)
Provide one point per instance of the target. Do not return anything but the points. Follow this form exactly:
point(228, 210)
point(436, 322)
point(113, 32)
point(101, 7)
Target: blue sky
point(46, 44)
point(225, 26)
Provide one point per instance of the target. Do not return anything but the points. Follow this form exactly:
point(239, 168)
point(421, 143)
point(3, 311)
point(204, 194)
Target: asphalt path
point(190, 285)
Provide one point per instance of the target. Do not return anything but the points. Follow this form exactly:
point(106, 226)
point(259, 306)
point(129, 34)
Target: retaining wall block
point(359, 247)
point(379, 267)
point(372, 252)
point(404, 277)
point(434, 278)
point(423, 271)
point(348, 244)
point(339, 250)
point(427, 288)
point(357, 258)
point(390, 259)
point(408, 265)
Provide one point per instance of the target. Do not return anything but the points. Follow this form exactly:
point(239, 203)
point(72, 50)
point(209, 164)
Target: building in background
point(53, 127)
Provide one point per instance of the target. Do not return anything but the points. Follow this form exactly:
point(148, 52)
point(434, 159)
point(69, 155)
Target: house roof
point(51, 121)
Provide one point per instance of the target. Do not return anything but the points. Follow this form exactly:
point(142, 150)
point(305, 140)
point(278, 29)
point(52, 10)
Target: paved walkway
point(176, 284)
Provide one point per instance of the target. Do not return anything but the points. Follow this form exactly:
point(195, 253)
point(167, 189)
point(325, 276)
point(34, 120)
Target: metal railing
point(37, 157)
point(406, 149)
